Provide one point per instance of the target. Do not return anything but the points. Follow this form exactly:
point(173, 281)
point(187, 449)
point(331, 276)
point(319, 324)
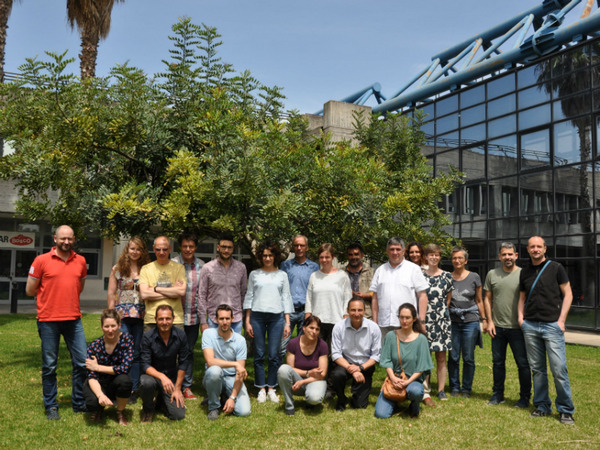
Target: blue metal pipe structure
point(550, 34)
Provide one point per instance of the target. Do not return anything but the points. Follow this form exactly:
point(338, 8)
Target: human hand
point(177, 396)
point(297, 385)
point(167, 384)
point(286, 331)
point(229, 406)
point(249, 330)
point(92, 364)
point(103, 400)
point(359, 377)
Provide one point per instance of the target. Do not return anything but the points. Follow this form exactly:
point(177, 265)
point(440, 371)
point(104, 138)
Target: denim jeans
point(217, 383)
point(543, 338)
point(296, 320)
point(513, 337)
point(191, 332)
point(314, 392)
point(266, 326)
point(384, 408)
point(235, 326)
point(50, 333)
point(134, 327)
point(465, 336)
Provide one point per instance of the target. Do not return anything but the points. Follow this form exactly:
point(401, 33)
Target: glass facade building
point(527, 141)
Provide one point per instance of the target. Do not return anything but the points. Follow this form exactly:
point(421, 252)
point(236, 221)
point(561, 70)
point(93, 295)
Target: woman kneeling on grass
point(108, 362)
point(414, 351)
point(306, 366)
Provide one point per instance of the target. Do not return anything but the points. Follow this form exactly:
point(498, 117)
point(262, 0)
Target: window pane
point(446, 159)
point(534, 117)
point(535, 149)
point(473, 134)
point(568, 146)
point(572, 106)
point(501, 86)
point(447, 105)
point(582, 275)
point(503, 230)
point(502, 157)
point(536, 196)
point(474, 202)
point(473, 162)
point(428, 128)
point(447, 141)
point(581, 317)
point(575, 246)
point(573, 200)
point(571, 83)
point(428, 111)
point(502, 106)
point(504, 198)
point(472, 96)
point(447, 123)
point(505, 125)
point(533, 96)
point(527, 77)
point(472, 115)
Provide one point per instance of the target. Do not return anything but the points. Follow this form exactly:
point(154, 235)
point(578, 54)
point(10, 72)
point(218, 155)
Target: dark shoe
point(213, 414)
point(522, 403)
point(539, 413)
point(429, 402)
point(340, 406)
point(79, 410)
point(466, 394)
point(413, 415)
point(328, 395)
point(147, 417)
point(204, 401)
point(454, 393)
point(121, 418)
point(290, 412)
point(96, 416)
point(52, 414)
point(442, 396)
point(496, 400)
point(188, 395)
point(567, 419)
point(133, 398)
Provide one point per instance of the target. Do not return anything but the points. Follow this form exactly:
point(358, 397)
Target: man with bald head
point(162, 282)
point(56, 279)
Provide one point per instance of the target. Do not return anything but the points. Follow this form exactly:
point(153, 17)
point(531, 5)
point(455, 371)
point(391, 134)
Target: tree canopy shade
point(204, 148)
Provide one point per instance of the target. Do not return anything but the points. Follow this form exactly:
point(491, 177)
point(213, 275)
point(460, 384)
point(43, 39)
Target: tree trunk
point(88, 55)
point(5, 7)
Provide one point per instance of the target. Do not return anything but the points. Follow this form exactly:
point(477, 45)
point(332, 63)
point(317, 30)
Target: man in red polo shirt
point(56, 279)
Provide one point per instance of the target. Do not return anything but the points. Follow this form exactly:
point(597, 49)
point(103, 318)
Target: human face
point(134, 251)
point(433, 259)
point(355, 257)
point(162, 249)
point(414, 254)
point(406, 319)
point(300, 247)
point(458, 260)
point(356, 311)
point(164, 320)
point(225, 250)
point(188, 248)
point(536, 247)
point(312, 331)
point(110, 328)
point(224, 320)
point(326, 260)
point(395, 254)
point(64, 238)
point(508, 258)
point(268, 259)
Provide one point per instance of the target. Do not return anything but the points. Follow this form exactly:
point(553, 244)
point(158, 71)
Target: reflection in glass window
point(536, 197)
point(447, 105)
point(472, 96)
point(502, 157)
point(582, 273)
point(534, 117)
point(447, 141)
point(501, 86)
point(568, 146)
point(533, 96)
point(444, 160)
point(447, 123)
point(574, 187)
point(535, 149)
point(571, 106)
point(428, 111)
point(564, 63)
point(503, 197)
point(428, 128)
point(472, 134)
point(503, 230)
point(504, 125)
point(473, 162)
point(502, 106)
point(528, 76)
point(571, 83)
point(472, 115)
point(475, 200)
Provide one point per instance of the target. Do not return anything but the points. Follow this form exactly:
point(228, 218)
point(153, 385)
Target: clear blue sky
point(316, 50)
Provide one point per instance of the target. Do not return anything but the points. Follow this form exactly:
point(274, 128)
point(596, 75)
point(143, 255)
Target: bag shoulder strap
point(537, 279)
point(398, 346)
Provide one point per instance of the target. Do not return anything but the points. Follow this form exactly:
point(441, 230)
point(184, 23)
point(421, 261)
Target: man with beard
point(360, 276)
point(56, 279)
point(225, 355)
point(222, 282)
point(501, 309)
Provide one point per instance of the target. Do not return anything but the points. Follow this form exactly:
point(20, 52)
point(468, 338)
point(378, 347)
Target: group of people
point(346, 320)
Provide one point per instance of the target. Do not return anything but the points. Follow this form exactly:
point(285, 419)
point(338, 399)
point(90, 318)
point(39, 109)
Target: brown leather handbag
point(390, 391)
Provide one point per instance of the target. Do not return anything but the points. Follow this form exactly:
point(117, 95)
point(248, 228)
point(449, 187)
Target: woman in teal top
point(414, 350)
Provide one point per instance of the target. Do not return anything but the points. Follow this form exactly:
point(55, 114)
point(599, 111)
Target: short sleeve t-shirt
point(307, 362)
point(545, 302)
point(504, 287)
point(463, 297)
point(165, 275)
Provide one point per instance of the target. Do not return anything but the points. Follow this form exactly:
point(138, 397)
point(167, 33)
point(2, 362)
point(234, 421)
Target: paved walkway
point(96, 307)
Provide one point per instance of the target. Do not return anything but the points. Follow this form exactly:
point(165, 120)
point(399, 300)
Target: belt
point(298, 308)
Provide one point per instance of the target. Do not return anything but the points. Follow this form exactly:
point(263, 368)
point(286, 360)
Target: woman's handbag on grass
point(390, 391)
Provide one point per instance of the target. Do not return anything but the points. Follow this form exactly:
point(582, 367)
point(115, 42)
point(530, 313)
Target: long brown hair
point(124, 264)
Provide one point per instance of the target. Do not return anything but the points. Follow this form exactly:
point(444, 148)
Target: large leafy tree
point(92, 19)
point(202, 147)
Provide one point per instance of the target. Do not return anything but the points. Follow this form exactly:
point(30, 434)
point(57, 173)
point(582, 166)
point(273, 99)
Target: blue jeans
point(465, 336)
point(72, 331)
point(266, 325)
point(135, 327)
point(384, 408)
point(543, 338)
point(513, 337)
point(217, 383)
point(296, 320)
point(191, 332)
point(235, 326)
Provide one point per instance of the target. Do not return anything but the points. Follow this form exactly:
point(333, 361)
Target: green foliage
point(204, 148)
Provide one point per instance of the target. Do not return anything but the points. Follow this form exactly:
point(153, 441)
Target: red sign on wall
point(9, 239)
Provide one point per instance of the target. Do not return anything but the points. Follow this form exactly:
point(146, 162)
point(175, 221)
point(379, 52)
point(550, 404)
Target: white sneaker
point(262, 396)
point(273, 396)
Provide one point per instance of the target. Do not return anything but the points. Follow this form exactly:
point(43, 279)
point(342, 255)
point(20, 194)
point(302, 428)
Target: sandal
point(121, 418)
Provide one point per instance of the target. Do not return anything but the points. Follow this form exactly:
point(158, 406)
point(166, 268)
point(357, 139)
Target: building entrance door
point(14, 269)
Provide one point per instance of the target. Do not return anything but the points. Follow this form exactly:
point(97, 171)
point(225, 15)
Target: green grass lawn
point(456, 423)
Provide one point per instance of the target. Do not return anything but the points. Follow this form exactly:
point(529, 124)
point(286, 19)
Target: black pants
point(113, 387)
point(149, 387)
point(360, 391)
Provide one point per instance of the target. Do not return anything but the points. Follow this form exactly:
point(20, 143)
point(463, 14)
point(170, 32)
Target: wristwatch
point(154, 288)
point(233, 397)
point(362, 368)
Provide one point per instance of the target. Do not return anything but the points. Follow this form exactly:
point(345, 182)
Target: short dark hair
point(355, 245)
point(164, 307)
point(460, 249)
point(223, 307)
point(110, 314)
point(357, 300)
point(273, 248)
point(507, 245)
point(225, 236)
point(310, 319)
point(395, 241)
point(187, 236)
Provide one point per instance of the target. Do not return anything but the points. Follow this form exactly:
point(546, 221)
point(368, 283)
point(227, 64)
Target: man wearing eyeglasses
point(162, 282)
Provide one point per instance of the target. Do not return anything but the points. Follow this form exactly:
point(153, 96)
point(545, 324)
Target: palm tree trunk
point(88, 55)
point(5, 8)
